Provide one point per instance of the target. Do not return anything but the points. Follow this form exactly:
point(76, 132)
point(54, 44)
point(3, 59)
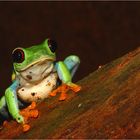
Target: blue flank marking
point(57, 67)
point(14, 85)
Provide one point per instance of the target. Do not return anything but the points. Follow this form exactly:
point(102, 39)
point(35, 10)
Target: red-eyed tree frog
point(36, 76)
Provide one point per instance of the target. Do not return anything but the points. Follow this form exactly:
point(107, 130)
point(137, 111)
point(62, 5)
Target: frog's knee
point(72, 59)
point(72, 62)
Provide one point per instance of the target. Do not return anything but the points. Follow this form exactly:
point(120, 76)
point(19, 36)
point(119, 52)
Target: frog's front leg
point(12, 102)
point(66, 71)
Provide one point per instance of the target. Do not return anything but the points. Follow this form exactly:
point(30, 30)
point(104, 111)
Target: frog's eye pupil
point(18, 56)
point(52, 45)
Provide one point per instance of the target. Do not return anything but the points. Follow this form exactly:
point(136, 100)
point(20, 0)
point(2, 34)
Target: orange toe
point(53, 93)
point(63, 96)
point(26, 127)
point(29, 112)
point(34, 113)
point(76, 88)
point(32, 106)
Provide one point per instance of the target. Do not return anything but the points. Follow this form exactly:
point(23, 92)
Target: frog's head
point(24, 58)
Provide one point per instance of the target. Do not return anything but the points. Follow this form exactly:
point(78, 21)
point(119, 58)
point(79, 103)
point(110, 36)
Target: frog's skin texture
point(35, 76)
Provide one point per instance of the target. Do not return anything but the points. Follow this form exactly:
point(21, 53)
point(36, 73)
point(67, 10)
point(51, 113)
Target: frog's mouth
point(35, 72)
point(38, 62)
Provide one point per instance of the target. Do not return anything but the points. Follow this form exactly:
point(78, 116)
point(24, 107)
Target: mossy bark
point(108, 106)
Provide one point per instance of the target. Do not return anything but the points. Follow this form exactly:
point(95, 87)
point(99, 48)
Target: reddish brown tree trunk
point(108, 106)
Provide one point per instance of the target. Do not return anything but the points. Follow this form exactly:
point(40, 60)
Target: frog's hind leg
point(66, 71)
point(3, 109)
point(4, 113)
point(72, 62)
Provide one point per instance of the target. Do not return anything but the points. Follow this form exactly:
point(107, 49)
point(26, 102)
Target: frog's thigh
point(72, 62)
point(63, 72)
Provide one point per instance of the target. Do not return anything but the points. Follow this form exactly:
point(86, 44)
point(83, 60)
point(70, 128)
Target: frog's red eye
point(18, 55)
point(52, 45)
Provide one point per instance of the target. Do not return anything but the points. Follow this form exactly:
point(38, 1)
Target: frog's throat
point(51, 70)
point(36, 62)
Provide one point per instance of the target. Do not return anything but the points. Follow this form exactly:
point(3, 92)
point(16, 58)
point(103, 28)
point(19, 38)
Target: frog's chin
point(36, 73)
point(40, 61)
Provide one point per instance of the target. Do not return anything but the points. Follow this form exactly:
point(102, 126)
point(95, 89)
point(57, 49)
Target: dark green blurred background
point(97, 32)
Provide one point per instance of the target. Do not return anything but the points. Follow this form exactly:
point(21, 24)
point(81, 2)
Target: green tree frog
point(36, 76)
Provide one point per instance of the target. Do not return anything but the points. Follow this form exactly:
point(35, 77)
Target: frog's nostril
point(18, 55)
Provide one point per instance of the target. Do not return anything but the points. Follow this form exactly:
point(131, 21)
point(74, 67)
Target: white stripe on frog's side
point(38, 92)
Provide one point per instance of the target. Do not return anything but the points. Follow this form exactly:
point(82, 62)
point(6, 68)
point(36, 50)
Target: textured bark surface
point(108, 106)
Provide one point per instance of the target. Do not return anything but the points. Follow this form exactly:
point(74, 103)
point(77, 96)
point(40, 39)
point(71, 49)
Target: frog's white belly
point(37, 92)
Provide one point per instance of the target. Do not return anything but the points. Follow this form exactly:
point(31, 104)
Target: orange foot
point(63, 90)
point(29, 112)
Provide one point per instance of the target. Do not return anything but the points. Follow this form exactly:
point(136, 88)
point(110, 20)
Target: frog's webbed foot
point(63, 89)
point(29, 112)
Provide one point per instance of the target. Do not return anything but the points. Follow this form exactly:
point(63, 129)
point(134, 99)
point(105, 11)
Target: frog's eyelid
point(16, 49)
